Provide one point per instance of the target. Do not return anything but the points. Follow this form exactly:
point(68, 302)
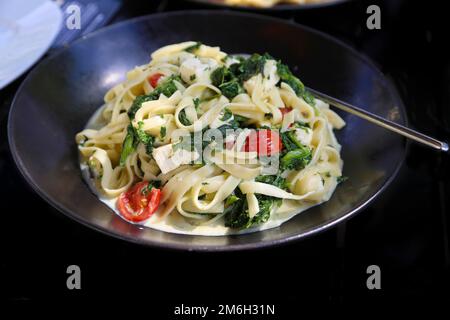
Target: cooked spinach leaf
point(129, 145)
point(132, 139)
point(183, 118)
point(231, 89)
point(144, 138)
point(225, 80)
point(274, 180)
point(236, 206)
point(250, 67)
point(296, 159)
point(166, 87)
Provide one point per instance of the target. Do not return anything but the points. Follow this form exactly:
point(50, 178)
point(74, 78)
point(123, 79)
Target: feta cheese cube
point(168, 159)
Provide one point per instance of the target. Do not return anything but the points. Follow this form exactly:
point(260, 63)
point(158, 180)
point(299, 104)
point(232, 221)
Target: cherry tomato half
point(265, 142)
point(154, 78)
point(138, 203)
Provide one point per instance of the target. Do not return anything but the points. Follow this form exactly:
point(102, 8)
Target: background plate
point(27, 30)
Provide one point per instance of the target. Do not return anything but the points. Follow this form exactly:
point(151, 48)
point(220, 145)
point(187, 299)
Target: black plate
point(61, 93)
point(277, 7)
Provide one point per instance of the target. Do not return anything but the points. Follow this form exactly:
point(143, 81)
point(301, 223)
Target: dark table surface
point(404, 232)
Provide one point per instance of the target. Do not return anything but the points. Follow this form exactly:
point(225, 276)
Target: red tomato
point(265, 142)
point(154, 78)
point(138, 203)
point(285, 110)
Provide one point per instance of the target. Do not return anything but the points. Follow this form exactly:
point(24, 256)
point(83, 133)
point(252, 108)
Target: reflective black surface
point(405, 231)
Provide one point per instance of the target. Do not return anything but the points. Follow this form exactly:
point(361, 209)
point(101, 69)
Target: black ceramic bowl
point(60, 95)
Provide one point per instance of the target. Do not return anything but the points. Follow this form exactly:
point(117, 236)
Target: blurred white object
point(27, 29)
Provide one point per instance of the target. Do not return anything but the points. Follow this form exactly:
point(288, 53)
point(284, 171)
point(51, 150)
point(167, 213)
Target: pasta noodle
point(200, 142)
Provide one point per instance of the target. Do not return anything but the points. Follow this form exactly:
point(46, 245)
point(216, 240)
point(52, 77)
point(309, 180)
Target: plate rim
point(42, 50)
point(206, 248)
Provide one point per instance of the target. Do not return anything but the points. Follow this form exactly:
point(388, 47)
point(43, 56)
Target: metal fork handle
point(382, 122)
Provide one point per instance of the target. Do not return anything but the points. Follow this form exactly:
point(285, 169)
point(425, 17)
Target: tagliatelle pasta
point(200, 142)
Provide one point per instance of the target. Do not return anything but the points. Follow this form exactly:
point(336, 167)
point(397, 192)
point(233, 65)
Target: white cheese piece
point(271, 77)
point(168, 159)
point(312, 183)
point(197, 70)
point(304, 135)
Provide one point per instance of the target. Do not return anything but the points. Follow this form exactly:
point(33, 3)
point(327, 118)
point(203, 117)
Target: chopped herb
point(183, 118)
point(196, 103)
point(162, 132)
point(83, 141)
point(192, 77)
point(151, 184)
point(193, 48)
point(209, 95)
point(227, 115)
point(341, 179)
